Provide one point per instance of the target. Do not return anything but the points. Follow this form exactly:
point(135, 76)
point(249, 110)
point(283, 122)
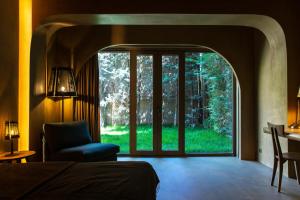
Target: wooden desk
point(291, 134)
point(4, 157)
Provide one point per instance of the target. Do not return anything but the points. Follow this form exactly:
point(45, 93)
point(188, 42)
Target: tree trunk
point(198, 99)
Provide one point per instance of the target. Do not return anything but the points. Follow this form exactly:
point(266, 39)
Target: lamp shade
point(62, 82)
point(298, 92)
point(11, 130)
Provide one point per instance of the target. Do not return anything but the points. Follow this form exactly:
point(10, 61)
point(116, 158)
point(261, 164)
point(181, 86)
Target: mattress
point(70, 180)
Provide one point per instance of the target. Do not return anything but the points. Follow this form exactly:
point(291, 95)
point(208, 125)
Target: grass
point(197, 140)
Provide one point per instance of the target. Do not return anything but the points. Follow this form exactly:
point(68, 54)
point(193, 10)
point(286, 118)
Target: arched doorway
point(247, 136)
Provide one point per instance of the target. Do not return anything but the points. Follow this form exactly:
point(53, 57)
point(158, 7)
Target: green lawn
point(197, 140)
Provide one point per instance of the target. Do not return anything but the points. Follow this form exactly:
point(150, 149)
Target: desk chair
point(279, 157)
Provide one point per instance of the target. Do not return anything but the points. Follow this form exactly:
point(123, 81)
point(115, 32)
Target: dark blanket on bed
point(97, 180)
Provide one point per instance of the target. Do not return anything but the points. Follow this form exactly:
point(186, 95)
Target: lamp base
point(295, 125)
point(12, 154)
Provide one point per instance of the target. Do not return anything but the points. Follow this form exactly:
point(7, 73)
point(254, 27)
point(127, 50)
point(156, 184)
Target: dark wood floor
point(219, 178)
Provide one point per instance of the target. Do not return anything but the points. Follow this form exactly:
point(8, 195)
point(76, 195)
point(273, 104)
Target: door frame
point(157, 103)
point(157, 128)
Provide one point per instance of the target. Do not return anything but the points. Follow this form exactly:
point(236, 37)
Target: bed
point(85, 180)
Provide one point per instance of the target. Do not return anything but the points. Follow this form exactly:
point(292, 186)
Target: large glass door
point(167, 102)
point(155, 128)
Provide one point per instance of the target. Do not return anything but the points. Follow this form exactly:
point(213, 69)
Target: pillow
point(66, 134)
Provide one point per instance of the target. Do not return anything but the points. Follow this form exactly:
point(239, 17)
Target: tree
point(170, 65)
point(144, 87)
point(218, 78)
point(194, 97)
point(208, 92)
point(114, 87)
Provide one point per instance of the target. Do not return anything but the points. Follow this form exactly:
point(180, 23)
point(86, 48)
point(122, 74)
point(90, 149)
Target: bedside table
point(5, 157)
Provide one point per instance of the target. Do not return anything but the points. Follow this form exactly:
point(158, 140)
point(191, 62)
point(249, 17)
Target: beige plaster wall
point(269, 81)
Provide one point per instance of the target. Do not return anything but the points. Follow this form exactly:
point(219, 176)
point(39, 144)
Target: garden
point(197, 140)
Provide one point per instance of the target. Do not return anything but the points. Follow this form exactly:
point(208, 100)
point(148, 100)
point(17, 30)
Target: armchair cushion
point(88, 152)
point(66, 135)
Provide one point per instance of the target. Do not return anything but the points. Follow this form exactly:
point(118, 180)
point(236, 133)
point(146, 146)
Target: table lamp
point(296, 125)
point(11, 132)
point(62, 85)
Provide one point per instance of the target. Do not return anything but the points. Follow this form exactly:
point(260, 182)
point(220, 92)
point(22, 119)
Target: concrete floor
point(217, 178)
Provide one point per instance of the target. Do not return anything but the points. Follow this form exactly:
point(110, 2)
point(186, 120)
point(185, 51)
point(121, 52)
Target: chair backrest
point(66, 134)
point(276, 130)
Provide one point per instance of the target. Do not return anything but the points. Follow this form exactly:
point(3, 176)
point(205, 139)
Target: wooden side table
point(5, 157)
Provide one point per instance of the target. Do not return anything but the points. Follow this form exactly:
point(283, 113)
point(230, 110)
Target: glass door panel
point(170, 65)
point(144, 103)
point(114, 84)
point(208, 103)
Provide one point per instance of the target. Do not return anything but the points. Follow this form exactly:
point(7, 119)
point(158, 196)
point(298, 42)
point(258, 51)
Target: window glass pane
point(114, 76)
point(170, 64)
point(208, 103)
point(144, 102)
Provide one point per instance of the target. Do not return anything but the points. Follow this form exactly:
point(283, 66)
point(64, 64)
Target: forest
point(208, 97)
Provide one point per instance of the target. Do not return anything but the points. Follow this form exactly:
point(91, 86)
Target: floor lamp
point(62, 85)
point(297, 122)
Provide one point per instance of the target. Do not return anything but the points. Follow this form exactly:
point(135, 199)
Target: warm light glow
point(11, 129)
point(68, 110)
point(25, 32)
point(63, 89)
